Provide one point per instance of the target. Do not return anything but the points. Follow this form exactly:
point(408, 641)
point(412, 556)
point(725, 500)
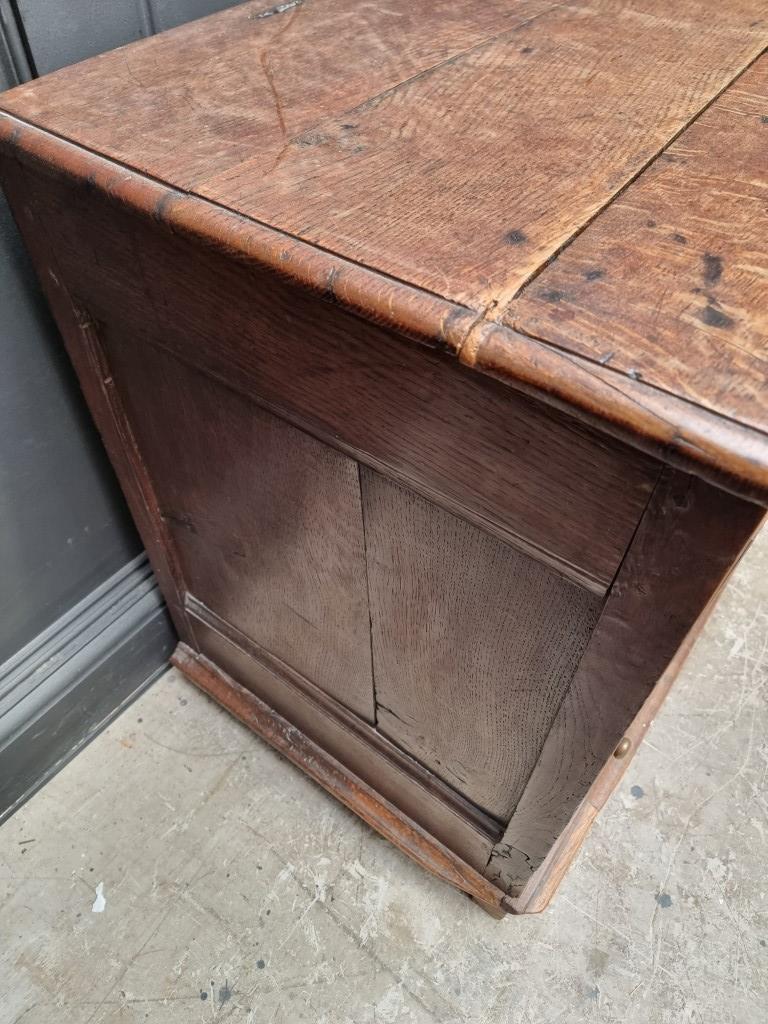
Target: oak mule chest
point(428, 342)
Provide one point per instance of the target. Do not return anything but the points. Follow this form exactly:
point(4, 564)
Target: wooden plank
point(187, 104)
point(688, 541)
point(265, 521)
point(378, 812)
point(474, 644)
point(726, 452)
point(492, 455)
point(670, 284)
point(723, 452)
point(525, 119)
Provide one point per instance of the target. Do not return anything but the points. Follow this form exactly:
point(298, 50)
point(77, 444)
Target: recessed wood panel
point(266, 520)
point(474, 644)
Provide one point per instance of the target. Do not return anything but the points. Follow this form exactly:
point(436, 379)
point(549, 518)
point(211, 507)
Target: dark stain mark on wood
point(713, 267)
point(311, 139)
point(552, 295)
point(595, 274)
point(650, 223)
point(516, 237)
point(714, 317)
point(680, 239)
point(527, 49)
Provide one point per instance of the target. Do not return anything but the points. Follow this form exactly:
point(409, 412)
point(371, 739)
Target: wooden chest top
point(569, 196)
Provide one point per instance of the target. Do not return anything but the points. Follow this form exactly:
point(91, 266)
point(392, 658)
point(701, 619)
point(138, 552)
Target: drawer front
point(532, 476)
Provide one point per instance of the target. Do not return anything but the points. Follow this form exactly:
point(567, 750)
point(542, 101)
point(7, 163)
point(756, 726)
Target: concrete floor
point(179, 871)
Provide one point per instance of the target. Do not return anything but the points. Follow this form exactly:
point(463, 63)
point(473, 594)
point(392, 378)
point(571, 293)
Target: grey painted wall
point(63, 525)
point(62, 32)
point(81, 626)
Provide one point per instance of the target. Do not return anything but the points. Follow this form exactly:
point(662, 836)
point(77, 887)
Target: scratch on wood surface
point(266, 66)
point(277, 9)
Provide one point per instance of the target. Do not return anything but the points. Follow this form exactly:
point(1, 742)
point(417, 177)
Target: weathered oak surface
point(467, 683)
point(265, 520)
point(551, 108)
point(454, 168)
point(493, 455)
point(670, 284)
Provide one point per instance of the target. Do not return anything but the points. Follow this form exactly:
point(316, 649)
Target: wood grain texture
point(187, 104)
point(474, 644)
point(492, 455)
point(671, 283)
point(265, 520)
point(241, 231)
point(687, 543)
point(465, 179)
point(607, 82)
point(723, 452)
point(339, 781)
point(553, 108)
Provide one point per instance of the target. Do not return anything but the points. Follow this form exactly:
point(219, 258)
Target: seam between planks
point(506, 303)
point(368, 591)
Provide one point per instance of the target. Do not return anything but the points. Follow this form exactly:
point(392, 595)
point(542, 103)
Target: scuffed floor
point(179, 871)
